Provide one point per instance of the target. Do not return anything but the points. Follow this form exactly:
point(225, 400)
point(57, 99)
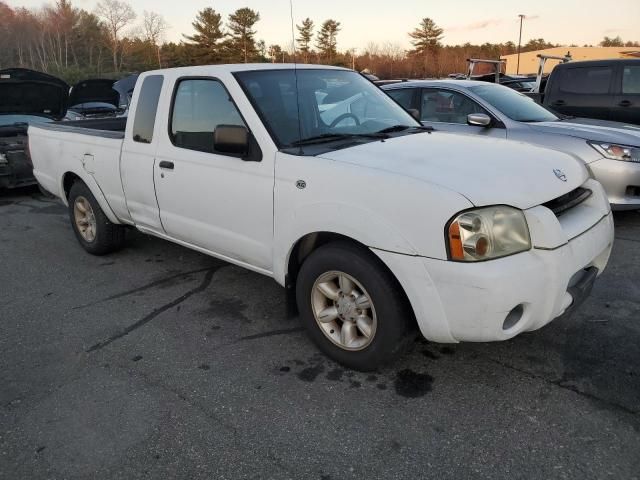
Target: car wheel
point(352, 307)
point(95, 232)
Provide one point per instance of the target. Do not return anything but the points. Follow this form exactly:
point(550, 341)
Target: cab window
point(199, 107)
point(631, 80)
point(586, 80)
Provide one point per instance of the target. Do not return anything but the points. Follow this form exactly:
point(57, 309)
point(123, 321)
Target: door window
point(631, 80)
point(404, 97)
point(199, 107)
point(146, 109)
point(446, 106)
point(586, 80)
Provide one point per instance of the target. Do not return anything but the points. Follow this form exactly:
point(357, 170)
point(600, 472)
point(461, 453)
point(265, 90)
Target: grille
point(567, 201)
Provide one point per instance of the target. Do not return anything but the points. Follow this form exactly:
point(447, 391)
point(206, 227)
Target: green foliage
point(305, 32)
point(327, 41)
point(206, 44)
point(426, 38)
point(241, 44)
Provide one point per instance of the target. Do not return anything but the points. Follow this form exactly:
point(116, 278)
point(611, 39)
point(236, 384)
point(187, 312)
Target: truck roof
point(241, 67)
point(597, 63)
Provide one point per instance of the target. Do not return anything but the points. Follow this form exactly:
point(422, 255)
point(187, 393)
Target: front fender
point(357, 223)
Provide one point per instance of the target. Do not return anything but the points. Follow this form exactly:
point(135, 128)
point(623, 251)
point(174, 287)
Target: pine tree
point(304, 40)
point(426, 38)
point(206, 42)
point(326, 40)
point(242, 44)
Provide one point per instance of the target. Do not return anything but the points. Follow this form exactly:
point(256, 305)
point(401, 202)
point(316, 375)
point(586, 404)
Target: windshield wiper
point(401, 128)
point(330, 137)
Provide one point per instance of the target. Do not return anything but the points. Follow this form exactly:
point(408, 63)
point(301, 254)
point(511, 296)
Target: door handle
point(558, 103)
point(625, 103)
point(166, 165)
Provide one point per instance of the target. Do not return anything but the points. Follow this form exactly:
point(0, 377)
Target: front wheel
point(352, 307)
point(95, 232)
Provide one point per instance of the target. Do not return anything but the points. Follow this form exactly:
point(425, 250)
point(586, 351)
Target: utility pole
point(522, 17)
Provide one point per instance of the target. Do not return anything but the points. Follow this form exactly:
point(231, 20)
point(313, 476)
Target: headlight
point(487, 233)
point(613, 151)
point(3, 159)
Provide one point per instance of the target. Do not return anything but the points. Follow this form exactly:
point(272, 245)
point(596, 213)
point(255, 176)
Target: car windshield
point(12, 119)
point(323, 104)
point(513, 104)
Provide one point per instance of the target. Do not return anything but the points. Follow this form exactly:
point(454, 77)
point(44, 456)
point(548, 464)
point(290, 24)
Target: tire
point(107, 237)
point(392, 320)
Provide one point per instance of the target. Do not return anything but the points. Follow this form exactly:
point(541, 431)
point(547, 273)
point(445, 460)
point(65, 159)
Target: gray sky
point(363, 21)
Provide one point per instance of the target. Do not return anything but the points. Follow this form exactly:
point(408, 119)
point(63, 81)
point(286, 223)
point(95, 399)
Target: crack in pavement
point(559, 383)
point(271, 333)
point(140, 289)
point(143, 321)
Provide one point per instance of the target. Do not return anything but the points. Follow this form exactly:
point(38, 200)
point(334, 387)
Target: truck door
point(216, 201)
point(627, 103)
point(138, 157)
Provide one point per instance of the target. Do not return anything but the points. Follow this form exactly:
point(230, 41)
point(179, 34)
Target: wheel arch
point(70, 177)
point(310, 242)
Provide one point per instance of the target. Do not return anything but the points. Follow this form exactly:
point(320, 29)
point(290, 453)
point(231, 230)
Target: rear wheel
point(352, 307)
point(95, 232)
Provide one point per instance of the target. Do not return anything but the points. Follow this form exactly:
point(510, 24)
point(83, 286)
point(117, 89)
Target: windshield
point(513, 104)
point(320, 102)
point(11, 119)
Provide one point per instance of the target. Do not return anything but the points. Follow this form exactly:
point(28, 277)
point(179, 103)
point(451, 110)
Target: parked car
point(377, 223)
point(602, 89)
point(26, 97)
point(93, 98)
point(611, 149)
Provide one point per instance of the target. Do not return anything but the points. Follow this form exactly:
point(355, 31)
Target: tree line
point(113, 39)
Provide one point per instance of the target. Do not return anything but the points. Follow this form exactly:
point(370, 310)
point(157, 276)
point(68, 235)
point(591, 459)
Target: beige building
point(529, 60)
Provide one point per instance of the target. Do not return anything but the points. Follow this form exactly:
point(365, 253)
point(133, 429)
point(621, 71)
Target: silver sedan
point(610, 149)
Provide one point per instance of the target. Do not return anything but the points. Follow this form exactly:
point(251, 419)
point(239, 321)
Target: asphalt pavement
point(159, 362)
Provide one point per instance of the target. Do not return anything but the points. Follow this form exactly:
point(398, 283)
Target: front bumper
point(471, 302)
point(621, 182)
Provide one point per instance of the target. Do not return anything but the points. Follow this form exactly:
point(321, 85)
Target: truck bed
point(102, 127)
point(89, 148)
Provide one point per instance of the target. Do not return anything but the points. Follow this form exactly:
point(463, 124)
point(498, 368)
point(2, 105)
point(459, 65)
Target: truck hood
point(27, 92)
point(594, 130)
point(486, 171)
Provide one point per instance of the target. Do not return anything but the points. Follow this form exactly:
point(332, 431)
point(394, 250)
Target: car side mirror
point(479, 119)
point(233, 139)
point(414, 113)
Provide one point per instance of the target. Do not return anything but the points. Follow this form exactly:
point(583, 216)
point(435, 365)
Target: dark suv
point(603, 89)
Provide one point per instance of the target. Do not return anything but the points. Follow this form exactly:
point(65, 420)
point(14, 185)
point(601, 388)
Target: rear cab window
point(147, 108)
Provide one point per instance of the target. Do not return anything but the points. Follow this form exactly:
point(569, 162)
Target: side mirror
point(233, 139)
point(479, 119)
point(414, 113)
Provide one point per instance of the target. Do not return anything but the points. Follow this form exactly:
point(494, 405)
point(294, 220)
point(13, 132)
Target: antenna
point(295, 73)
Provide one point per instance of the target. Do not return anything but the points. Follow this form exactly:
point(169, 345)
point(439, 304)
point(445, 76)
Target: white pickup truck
point(313, 176)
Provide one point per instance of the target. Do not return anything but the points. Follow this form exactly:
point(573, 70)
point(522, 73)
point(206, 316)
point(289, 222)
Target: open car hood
point(27, 92)
point(96, 90)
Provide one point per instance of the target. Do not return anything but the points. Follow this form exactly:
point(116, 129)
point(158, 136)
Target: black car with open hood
point(94, 97)
point(26, 97)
